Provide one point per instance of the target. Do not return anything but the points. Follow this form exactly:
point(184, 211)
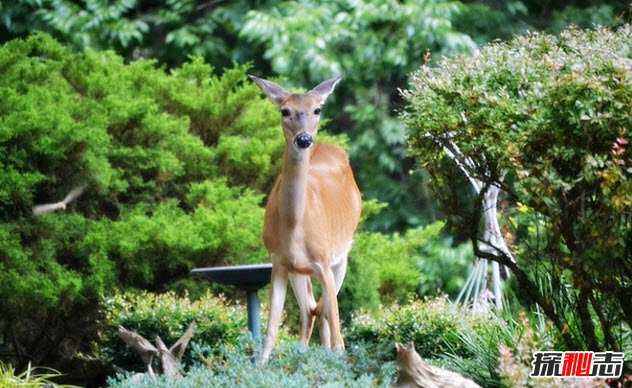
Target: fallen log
point(170, 358)
point(414, 372)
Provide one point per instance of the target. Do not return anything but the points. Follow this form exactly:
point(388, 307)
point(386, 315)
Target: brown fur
point(311, 215)
point(332, 210)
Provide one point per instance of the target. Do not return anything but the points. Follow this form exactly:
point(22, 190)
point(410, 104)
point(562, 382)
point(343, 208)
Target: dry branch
point(169, 358)
point(414, 372)
point(51, 207)
point(491, 240)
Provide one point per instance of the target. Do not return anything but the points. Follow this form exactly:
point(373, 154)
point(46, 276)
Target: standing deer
point(310, 218)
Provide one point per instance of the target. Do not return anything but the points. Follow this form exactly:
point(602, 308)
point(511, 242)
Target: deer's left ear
point(325, 88)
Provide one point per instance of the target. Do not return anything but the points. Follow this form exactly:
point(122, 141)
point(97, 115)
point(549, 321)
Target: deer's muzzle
point(303, 140)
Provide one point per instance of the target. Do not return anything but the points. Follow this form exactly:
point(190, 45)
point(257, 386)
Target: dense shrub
point(550, 114)
point(433, 325)
point(383, 268)
point(291, 366)
point(480, 345)
point(443, 267)
point(175, 164)
point(166, 315)
point(465, 341)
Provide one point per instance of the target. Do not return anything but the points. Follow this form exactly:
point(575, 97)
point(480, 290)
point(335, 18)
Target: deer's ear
point(399, 347)
point(325, 88)
point(274, 92)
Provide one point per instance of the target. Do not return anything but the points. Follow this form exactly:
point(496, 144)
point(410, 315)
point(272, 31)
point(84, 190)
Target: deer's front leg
point(277, 299)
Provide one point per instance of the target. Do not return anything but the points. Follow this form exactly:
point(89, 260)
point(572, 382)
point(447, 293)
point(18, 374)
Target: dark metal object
point(249, 278)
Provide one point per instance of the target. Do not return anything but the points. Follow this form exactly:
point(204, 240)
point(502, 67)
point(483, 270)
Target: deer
point(310, 217)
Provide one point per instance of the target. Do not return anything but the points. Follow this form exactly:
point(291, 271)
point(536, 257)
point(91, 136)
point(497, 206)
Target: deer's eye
point(285, 112)
point(317, 111)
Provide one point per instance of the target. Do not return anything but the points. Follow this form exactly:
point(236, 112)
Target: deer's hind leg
point(330, 306)
point(339, 270)
point(302, 286)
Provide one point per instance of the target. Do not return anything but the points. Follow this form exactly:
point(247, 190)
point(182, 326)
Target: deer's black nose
point(303, 140)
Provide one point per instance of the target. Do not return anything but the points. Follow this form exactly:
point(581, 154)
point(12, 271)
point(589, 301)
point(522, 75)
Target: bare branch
point(51, 207)
point(492, 240)
point(74, 194)
point(180, 346)
point(170, 366)
point(137, 342)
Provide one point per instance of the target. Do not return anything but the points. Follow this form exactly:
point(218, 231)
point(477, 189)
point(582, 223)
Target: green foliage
point(175, 164)
point(593, 15)
point(29, 378)
point(374, 44)
point(475, 345)
point(444, 267)
point(166, 315)
point(169, 31)
point(551, 113)
point(176, 167)
point(433, 325)
point(485, 21)
point(470, 343)
point(291, 366)
point(383, 268)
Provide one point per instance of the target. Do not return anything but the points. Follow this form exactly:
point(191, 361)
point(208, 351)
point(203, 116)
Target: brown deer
point(310, 218)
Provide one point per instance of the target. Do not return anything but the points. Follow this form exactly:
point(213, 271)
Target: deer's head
point(300, 113)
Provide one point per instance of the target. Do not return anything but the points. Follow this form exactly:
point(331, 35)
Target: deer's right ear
point(274, 92)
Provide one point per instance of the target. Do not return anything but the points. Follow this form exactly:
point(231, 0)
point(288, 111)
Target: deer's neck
point(294, 187)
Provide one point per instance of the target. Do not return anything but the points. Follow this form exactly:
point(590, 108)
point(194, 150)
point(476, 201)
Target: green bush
point(550, 114)
point(481, 345)
point(433, 325)
point(291, 366)
point(383, 268)
point(468, 342)
point(175, 164)
point(443, 267)
point(166, 315)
